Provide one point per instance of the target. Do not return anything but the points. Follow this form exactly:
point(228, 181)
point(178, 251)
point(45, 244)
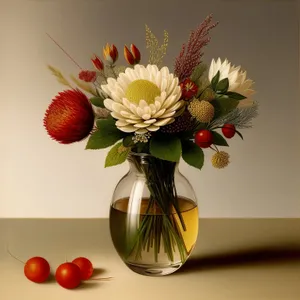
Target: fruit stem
point(215, 149)
point(14, 256)
point(101, 278)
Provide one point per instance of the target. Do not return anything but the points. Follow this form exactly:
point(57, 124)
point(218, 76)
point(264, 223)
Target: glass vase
point(153, 216)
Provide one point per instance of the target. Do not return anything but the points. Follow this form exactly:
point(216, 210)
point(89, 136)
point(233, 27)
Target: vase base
point(154, 270)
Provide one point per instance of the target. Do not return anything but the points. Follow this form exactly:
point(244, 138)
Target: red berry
point(204, 138)
point(228, 130)
point(37, 269)
point(85, 266)
point(68, 275)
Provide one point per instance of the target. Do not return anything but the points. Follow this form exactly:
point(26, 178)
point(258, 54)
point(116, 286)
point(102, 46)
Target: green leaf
point(141, 147)
point(215, 81)
point(218, 139)
point(127, 141)
point(97, 101)
point(223, 85)
point(192, 154)
point(224, 105)
point(116, 155)
point(106, 135)
point(236, 96)
point(202, 83)
point(167, 147)
point(239, 134)
point(198, 72)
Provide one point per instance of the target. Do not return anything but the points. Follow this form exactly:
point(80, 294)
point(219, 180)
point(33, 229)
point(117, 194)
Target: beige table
point(234, 259)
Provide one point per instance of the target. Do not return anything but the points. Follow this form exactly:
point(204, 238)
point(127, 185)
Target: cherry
point(204, 138)
point(85, 266)
point(228, 130)
point(37, 269)
point(68, 275)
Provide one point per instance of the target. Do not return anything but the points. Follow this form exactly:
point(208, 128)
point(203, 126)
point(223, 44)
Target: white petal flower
point(143, 99)
point(238, 81)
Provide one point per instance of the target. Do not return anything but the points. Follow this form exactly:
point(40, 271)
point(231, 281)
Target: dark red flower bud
point(128, 56)
point(97, 62)
point(136, 53)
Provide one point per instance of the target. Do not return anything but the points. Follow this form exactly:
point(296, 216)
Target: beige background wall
point(41, 178)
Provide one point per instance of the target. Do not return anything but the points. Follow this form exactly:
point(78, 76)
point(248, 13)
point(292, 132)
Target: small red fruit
point(204, 138)
point(85, 266)
point(68, 275)
point(228, 130)
point(37, 269)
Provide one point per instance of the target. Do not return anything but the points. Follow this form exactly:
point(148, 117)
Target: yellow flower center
point(142, 89)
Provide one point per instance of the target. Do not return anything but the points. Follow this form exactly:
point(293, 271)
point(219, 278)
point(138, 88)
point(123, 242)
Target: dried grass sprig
point(157, 52)
point(85, 85)
point(191, 53)
point(59, 76)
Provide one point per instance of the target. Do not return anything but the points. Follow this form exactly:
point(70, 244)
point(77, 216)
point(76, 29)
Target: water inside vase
point(123, 233)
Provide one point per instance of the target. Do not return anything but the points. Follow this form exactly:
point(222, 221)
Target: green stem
point(159, 222)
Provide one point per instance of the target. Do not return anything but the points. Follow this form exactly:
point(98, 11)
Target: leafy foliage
point(239, 117)
point(224, 105)
point(167, 147)
point(116, 155)
point(215, 81)
point(97, 101)
point(222, 85)
point(192, 154)
point(198, 72)
point(218, 139)
point(107, 134)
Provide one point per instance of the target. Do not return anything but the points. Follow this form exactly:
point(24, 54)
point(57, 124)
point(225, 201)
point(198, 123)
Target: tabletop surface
point(255, 259)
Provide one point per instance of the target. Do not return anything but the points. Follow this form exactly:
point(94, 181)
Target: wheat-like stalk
point(191, 53)
point(84, 85)
point(59, 76)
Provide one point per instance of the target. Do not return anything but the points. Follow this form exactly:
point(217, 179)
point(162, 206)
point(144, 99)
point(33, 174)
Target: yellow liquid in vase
point(122, 230)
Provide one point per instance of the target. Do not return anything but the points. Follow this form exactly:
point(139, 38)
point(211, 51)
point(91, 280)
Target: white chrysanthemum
point(237, 79)
point(143, 99)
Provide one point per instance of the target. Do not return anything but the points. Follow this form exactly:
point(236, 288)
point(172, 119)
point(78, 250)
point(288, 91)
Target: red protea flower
point(188, 89)
point(70, 117)
point(88, 76)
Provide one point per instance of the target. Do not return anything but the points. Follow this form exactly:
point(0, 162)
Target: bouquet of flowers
point(149, 109)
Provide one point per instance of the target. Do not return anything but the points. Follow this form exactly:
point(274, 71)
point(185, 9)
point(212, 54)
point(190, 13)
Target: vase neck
point(141, 163)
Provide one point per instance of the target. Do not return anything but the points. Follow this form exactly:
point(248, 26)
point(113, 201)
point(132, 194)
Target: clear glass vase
point(153, 216)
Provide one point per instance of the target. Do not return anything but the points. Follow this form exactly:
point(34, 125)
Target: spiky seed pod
point(203, 111)
point(220, 159)
point(182, 123)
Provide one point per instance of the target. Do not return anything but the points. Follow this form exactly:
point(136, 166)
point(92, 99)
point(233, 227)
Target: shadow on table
point(94, 282)
point(251, 257)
